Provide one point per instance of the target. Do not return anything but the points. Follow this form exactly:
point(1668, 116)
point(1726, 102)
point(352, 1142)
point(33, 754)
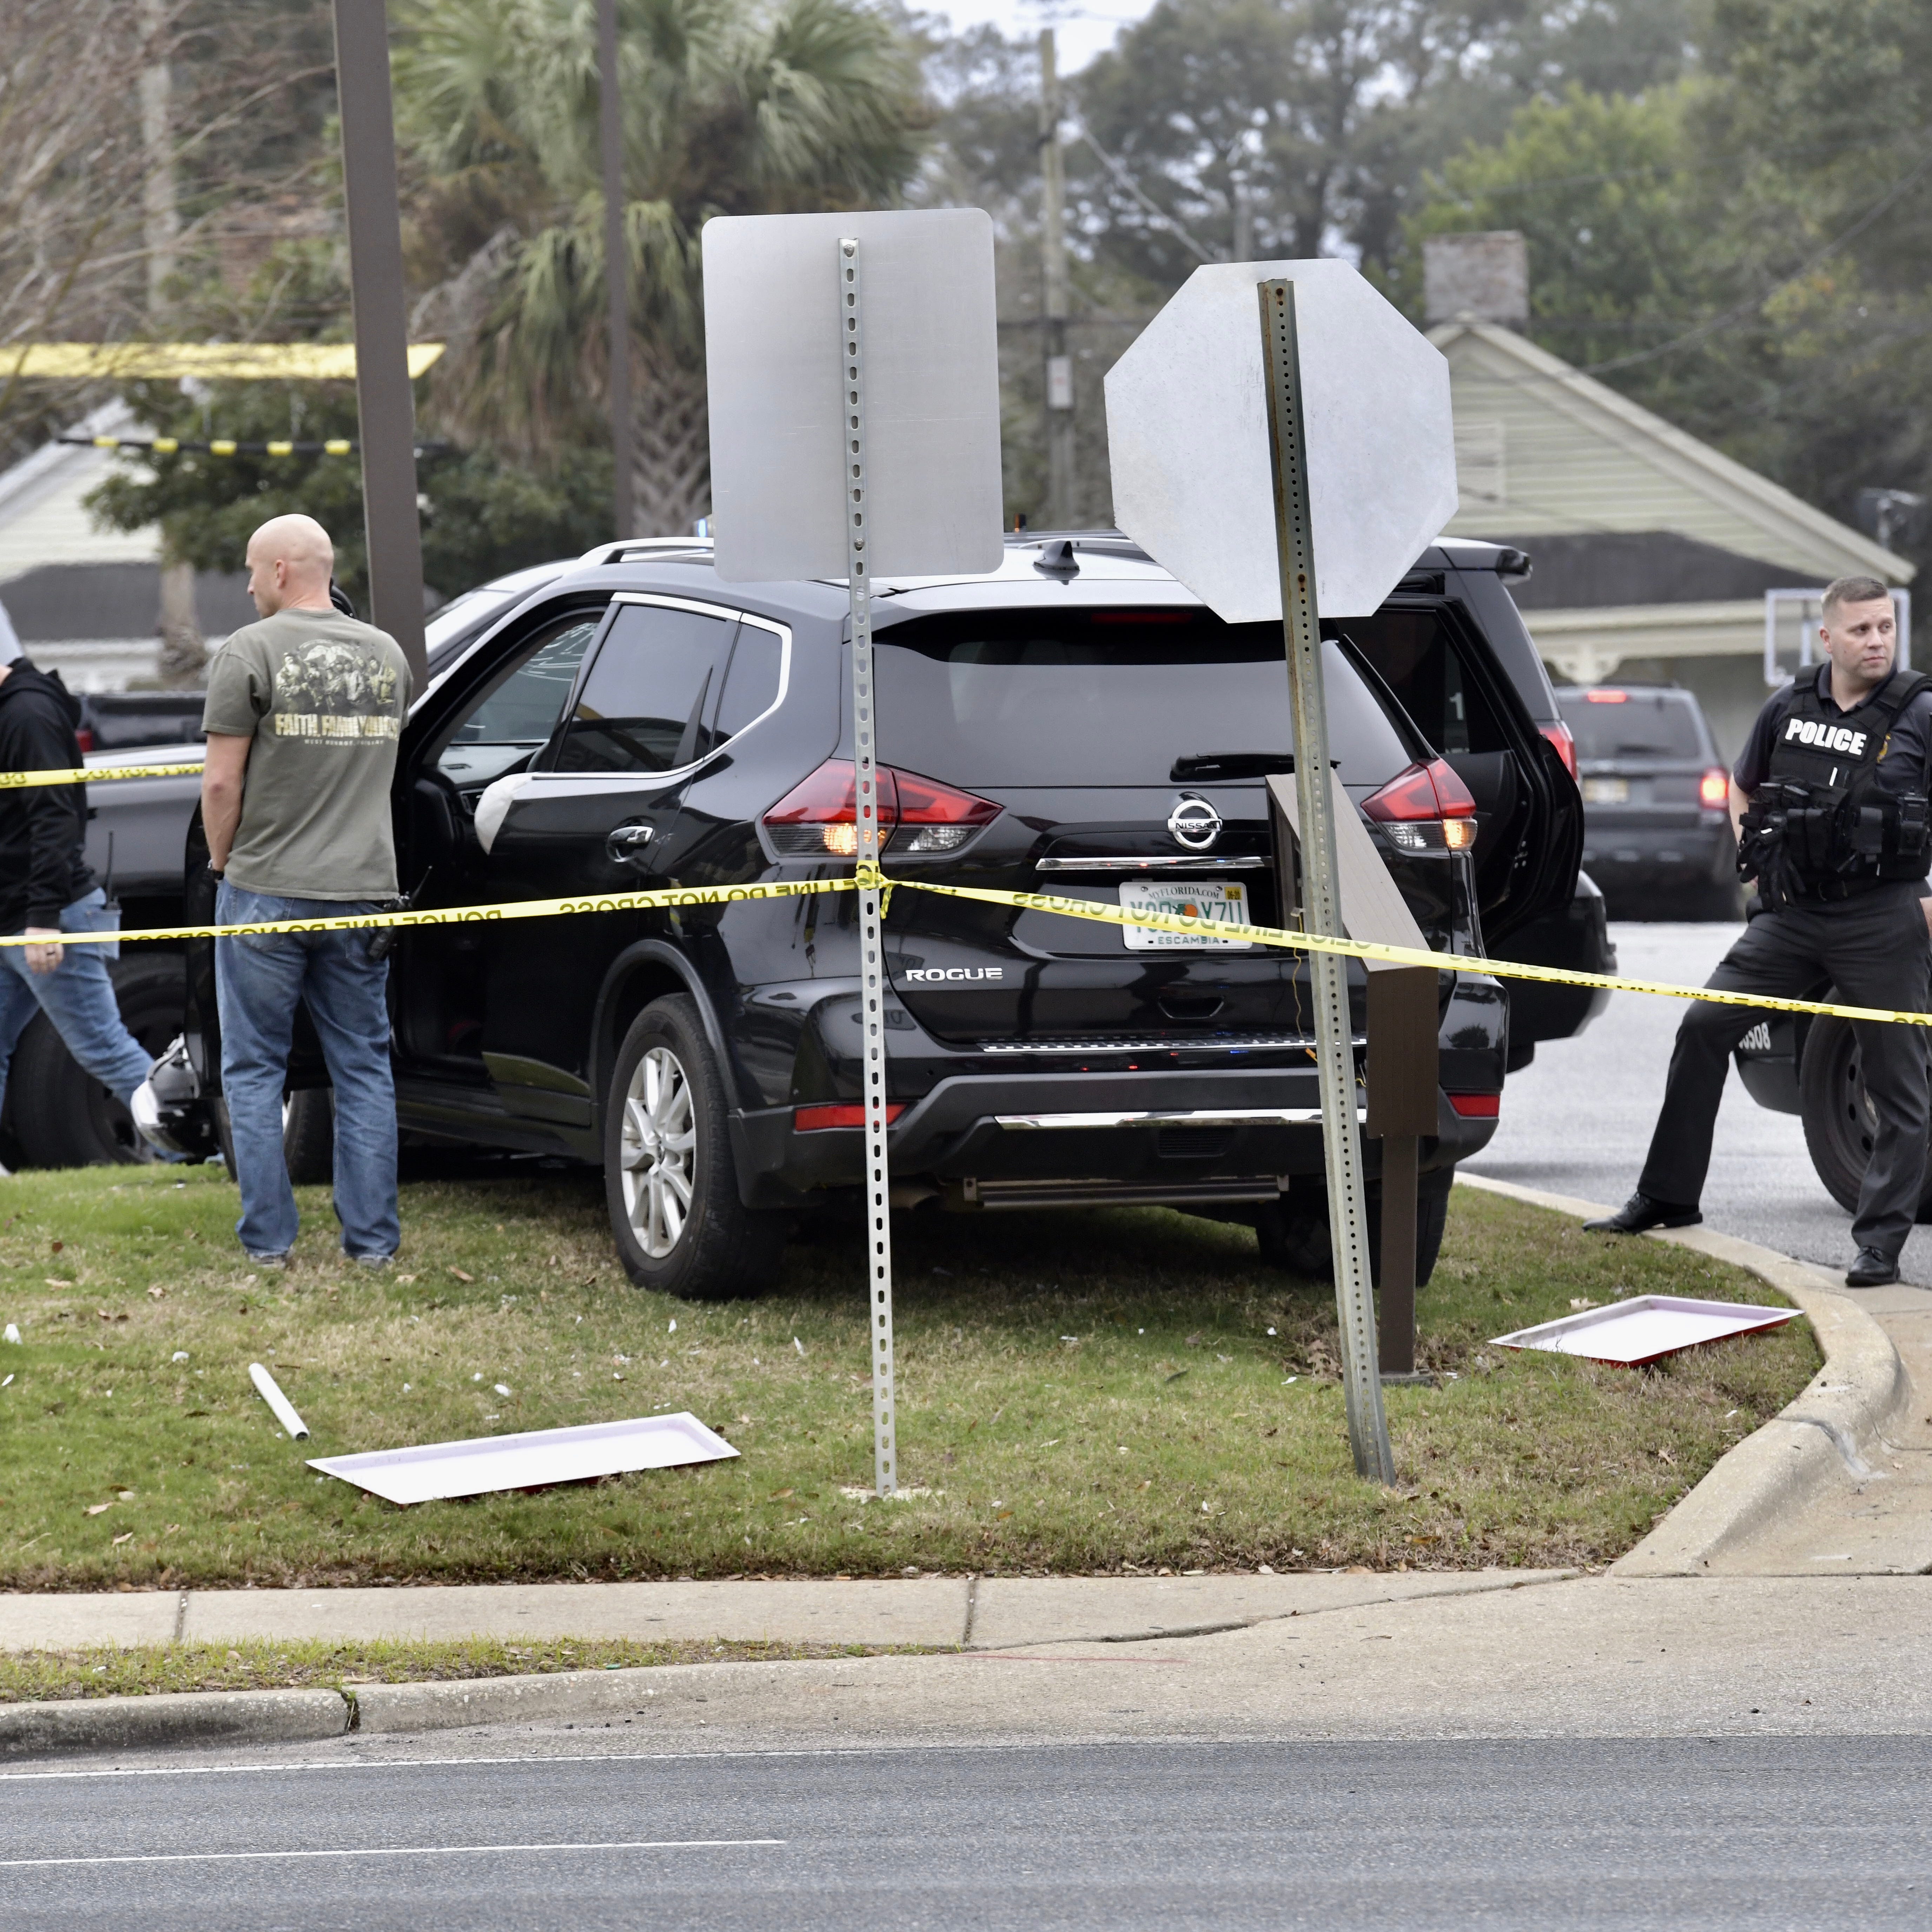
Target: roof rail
point(639, 546)
point(1104, 543)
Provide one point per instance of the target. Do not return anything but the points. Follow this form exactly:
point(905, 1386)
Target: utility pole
point(1060, 510)
point(384, 404)
point(1244, 221)
point(616, 266)
point(161, 216)
point(184, 650)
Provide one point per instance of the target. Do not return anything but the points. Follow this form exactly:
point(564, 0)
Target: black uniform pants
point(1874, 949)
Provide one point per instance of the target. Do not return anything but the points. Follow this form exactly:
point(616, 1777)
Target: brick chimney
point(1483, 275)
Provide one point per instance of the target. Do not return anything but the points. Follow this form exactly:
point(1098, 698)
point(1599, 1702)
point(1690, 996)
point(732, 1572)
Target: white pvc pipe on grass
point(285, 1410)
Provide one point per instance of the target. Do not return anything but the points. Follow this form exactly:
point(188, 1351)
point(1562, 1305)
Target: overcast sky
point(1084, 31)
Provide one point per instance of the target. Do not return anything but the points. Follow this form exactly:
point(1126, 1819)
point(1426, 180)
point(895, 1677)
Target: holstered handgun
point(382, 942)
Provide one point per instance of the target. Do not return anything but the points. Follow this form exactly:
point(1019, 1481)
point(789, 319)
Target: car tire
point(669, 1178)
point(57, 1115)
point(1293, 1233)
point(1839, 1123)
point(308, 1136)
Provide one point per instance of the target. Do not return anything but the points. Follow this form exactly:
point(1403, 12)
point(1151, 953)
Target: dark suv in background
point(1657, 835)
point(1077, 723)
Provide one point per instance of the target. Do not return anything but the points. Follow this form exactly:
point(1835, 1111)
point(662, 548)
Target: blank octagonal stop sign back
point(1188, 434)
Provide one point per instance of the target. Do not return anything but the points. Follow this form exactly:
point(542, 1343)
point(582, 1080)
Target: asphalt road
point(1577, 1120)
point(1744, 1834)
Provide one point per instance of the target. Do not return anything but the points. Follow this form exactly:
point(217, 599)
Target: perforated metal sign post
point(1319, 501)
point(885, 461)
point(1320, 890)
point(871, 934)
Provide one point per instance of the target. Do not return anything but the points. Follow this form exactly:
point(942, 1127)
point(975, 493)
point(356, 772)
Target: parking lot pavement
point(1577, 1120)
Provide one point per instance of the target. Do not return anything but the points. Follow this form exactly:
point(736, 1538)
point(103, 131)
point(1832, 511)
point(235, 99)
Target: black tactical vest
point(1821, 826)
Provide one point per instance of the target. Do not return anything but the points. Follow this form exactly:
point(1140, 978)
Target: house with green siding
point(1651, 553)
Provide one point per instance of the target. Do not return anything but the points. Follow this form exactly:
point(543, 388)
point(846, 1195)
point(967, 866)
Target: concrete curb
point(1816, 1444)
point(173, 1718)
point(1063, 1610)
point(578, 1696)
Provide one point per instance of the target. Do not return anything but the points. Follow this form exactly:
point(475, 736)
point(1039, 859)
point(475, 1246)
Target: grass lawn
point(1078, 1392)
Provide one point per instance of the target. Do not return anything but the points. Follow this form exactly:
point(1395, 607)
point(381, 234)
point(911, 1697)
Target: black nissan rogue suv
point(1075, 723)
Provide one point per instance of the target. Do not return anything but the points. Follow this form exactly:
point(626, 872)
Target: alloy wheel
point(660, 1139)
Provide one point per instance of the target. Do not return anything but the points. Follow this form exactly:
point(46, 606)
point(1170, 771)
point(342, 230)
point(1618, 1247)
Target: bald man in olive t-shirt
point(305, 710)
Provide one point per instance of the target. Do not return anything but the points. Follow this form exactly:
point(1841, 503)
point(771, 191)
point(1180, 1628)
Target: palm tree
point(730, 107)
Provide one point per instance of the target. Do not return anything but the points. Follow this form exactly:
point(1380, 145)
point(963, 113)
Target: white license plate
point(1219, 904)
point(1606, 791)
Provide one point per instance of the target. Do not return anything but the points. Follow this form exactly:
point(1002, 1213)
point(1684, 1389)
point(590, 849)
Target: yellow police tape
point(668, 900)
point(92, 775)
point(674, 898)
point(1393, 955)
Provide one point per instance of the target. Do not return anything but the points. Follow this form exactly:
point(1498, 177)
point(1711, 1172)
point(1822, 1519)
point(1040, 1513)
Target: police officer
point(1837, 772)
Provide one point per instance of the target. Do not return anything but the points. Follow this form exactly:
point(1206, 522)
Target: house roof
point(43, 519)
point(1543, 449)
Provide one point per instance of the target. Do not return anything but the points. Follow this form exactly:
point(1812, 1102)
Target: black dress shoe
point(1640, 1213)
point(1873, 1269)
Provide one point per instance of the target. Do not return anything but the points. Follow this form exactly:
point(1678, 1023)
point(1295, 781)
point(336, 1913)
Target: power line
point(1133, 187)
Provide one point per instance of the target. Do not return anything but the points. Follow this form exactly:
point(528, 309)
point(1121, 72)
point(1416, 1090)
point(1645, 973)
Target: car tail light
point(811, 1120)
point(1425, 808)
point(1565, 740)
point(1606, 694)
point(819, 819)
point(84, 738)
point(945, 817)
point(1713, 789)
point(1476, 1106)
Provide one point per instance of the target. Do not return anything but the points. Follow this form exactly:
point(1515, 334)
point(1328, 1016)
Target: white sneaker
point(146, 1109)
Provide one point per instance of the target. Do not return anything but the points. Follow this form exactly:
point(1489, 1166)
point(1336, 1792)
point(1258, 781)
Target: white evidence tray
point(1644, 1329)
point(434, 1470)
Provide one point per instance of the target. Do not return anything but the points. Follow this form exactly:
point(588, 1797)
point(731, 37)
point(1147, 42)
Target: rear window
point(1633, 724)
point(1106, 698)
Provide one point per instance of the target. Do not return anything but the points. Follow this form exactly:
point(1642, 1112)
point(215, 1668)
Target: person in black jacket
point(46, 890)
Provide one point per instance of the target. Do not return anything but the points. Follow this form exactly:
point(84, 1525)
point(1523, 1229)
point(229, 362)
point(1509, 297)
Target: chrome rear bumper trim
point(1236, 1116)
point(1194, 862)
point(993, 1195)
point(1236, 1043)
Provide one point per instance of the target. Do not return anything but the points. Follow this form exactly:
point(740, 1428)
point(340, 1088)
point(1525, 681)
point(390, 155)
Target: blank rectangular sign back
point(774, 374)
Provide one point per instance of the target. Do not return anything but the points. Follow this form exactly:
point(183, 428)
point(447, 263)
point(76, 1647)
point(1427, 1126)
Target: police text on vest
point(1825, 737)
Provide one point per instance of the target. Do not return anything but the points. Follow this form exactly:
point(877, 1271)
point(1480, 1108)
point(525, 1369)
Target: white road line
point(1187, 1740)
point(391, 1764)
point(398, 1852)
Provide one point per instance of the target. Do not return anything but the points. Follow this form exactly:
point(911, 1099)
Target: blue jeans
point(260, 981)
point(78, 996)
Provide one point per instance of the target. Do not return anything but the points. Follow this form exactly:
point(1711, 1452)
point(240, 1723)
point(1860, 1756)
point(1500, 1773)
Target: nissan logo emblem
point(1195, 823)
